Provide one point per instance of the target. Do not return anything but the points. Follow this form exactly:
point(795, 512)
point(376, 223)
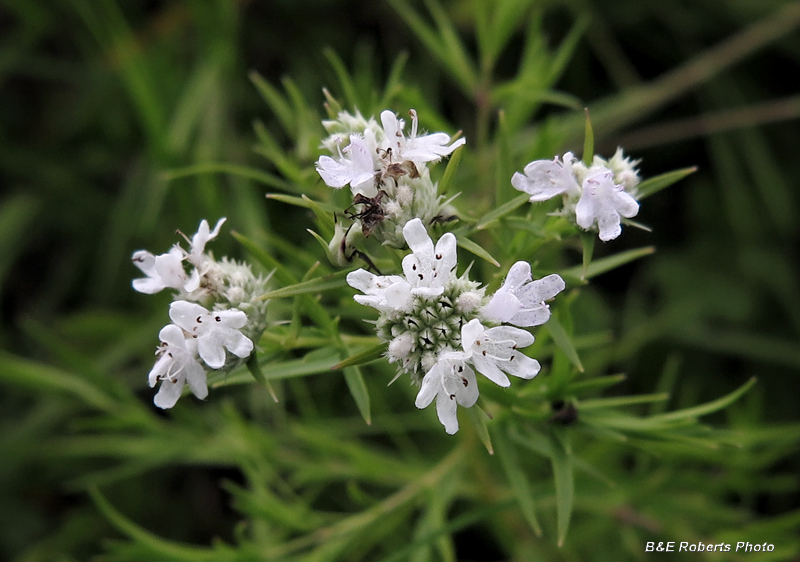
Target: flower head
point(594, 197)
point(495, 350)
point(164, 271)
point(426, 148)
point(354, 166)
point(521, 301)
point(544, 179)
point(215, 331)
point(451, 381)
point(428, 268)
point(176, 366)
point(602, 203)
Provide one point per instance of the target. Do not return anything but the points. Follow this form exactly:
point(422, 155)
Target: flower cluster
point(595, 197)
point(387, 174)
point(217, 311)
point(441, 328)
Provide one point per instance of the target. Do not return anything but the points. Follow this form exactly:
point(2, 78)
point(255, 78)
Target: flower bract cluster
point(387, 173)
point(596, 197)
point(216, 315)
point(441, 328)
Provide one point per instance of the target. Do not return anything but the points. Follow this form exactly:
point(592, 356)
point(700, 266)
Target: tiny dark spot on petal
point(421, 276)
point(484, 352)
point(452, 396)
point(438, 256)
point(218, 319)
point(465, 381)
point(199, 321)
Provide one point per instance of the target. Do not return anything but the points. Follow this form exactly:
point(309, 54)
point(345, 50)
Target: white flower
point(427, 148)
point(603, 202)
point(451, 381)
point(215, 331)
point(201, 238)
point(495, 350)
point(176, 366)
point(427, 269)
point(545, 179)
point(625, 172)
point(386, 293)
point(521, 301)
point(162, 271)
point(354, 166)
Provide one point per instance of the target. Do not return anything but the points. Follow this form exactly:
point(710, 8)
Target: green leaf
point(476, 249)
point(588, 141)
point(587, 240)
point(478, 419)
point(255, 369)
point(708, 407)
point(501, 211)
point(365, 356)
point(345, 80)
point(563, 341)
point(317, 285)
point(277, 370)
point(516, 479)
point(608, 263)
point(561, 461)
point(450, 170)
point(358, 389)
point(597, 383)
point(655, 184)
point(598, 403)
point(268, 261)
point(154, 543)
point(280, 107)
point(226, 168)
point(303, 202)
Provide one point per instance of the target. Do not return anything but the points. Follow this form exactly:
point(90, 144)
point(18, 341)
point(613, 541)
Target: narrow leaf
point(358, 389)
point(304, 202)
point(476, 249)
point(608, 263)
point(655, 184)
point(450, 171)
point(708, 407)
point(598, 403)
point(517, 479)
point(588, 140)
point(317, 285)
point(564, 481)
point(563, 341)
point(501, 211)
point(476, 416)
point(365, 356)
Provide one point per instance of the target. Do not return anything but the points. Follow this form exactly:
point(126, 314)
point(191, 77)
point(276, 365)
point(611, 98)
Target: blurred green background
point(101, 101)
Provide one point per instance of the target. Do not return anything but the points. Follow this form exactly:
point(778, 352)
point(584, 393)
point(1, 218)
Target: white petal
point(229, 318)
point(196, 379)
point(159, 369)
point(627, 206)
point(521, 366)
point(541, 290)
point(173, 335)
point(169, 267)
point(145, 261)
point(518, 275)
point(468, 392)
point(193, 283)
point(431, 384)
point(418, 239)
point(500, 335)
point(446, 410)
point(148, 285)
point(168, 393)
point(469, 333)
point(333, 173)
point(238, 344)
point(529, 317)
point(488, 368)
point(211, 350)
point(361, 279)
point(185, 314)
point(501, 308)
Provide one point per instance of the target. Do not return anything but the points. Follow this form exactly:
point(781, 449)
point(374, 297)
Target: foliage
point(144, 126)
